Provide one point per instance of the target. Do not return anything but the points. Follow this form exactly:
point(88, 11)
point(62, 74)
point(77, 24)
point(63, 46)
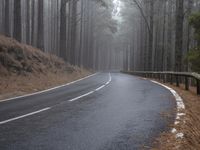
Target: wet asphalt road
point(126, 114)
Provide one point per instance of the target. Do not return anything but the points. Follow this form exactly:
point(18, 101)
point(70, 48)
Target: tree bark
point(40, 35)
point(7, 17)
point(17, 20)
point(151, 35)
point(179, 35)
point(63, 29)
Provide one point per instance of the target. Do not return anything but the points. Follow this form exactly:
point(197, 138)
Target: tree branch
point(143, 15)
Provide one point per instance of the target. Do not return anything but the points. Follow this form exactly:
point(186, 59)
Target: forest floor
point(25, 69)
point(190, 126)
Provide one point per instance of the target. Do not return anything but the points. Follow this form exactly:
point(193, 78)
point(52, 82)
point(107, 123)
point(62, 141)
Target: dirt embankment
point(190, 126)
point(25, 69)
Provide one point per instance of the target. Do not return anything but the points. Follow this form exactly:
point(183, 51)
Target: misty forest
point(140, 35)
point(99, 74)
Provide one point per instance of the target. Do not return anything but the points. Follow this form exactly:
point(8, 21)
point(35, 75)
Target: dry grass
point(20, 59)
point(25, 69)
point(18, 85)
point(190, 127)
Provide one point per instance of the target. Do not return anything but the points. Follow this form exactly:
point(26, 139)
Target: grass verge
point(15, 85)
point(190, 126)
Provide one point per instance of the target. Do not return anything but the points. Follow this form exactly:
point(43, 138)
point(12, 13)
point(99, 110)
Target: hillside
point(24, 69)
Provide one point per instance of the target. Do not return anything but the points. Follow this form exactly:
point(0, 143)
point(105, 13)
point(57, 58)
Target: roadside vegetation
point(194, 54)
point(25, 69)
point(61, 37)
point(190, 127)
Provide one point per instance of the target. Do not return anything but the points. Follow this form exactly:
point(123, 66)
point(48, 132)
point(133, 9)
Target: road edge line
point(47, 90)
point(180, 107)
point(91, 92)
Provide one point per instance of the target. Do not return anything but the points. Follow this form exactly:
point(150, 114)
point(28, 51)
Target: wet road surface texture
point(123, 114)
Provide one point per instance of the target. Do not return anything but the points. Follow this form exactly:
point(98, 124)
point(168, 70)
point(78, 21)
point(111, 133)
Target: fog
point(103, 34)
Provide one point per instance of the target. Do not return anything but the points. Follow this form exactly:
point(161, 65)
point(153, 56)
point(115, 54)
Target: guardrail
point(171, 77)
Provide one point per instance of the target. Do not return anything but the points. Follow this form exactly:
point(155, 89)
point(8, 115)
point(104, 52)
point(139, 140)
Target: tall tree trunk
point(40, 35)
point(7, 17)
point(163, 40)
point(17, 20)
point(190, 4)
point(179, 34)
point(73, 31)
point(80, 59)
point(28, 25)
point(32, 21)
point(169, 36)
point(69, 31)
point(151, 35)
point(63, 29)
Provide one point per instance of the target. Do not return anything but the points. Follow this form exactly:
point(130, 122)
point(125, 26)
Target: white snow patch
point(174, 130)
point(180, 107)
point(180, 114)
point(176, 122)
point(179, 135)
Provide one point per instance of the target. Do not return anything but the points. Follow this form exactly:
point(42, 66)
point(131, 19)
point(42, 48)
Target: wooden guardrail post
point(171, 79)
point(159, 76)
point(164, 78)
point(198, 87)
point(186, 83)
point(177, 81)
point(167, 78)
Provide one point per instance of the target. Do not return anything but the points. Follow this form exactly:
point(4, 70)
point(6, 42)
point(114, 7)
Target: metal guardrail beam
point(170, 77)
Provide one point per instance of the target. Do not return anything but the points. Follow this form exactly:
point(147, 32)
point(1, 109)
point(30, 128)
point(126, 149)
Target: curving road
point(103, 112)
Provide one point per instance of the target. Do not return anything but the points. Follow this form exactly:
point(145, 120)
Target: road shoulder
point(17, 86)
point(190, 126)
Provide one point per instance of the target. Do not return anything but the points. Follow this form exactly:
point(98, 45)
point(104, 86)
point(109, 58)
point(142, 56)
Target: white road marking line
point(45, 109)
point(23, 116)
point(179, 101)
point(107, 83)
point(110, 77)
point(180, 107)
point(100, 88)
point(13, 98)
point(91, 92)
point(76, 98)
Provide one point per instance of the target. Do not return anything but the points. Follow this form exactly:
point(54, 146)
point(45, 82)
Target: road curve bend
point(107, 111)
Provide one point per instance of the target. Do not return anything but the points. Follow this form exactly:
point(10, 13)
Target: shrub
point(193, 56)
